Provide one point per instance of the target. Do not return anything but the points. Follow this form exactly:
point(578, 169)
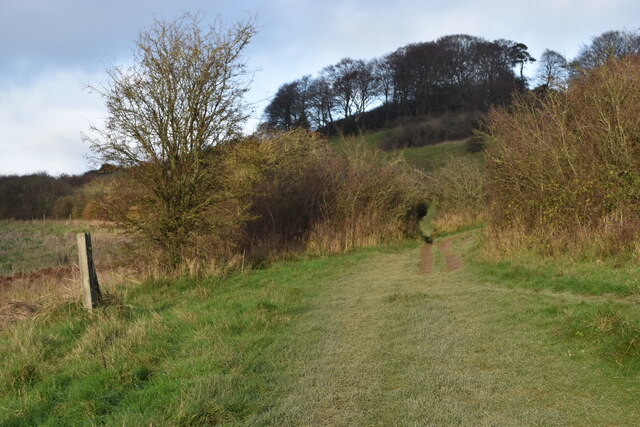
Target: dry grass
point(40, 269)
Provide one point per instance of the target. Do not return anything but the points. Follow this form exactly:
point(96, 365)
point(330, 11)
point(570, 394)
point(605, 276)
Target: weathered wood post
point(91, 295)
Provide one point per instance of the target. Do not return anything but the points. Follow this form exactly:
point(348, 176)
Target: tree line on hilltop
point(455, 73)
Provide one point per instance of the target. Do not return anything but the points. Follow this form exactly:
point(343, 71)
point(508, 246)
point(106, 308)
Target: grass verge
point(164, 352)
point(596, 302)
point(356, 339)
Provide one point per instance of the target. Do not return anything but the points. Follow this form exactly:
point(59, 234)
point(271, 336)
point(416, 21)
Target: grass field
point(370, 140)
point(33, 245)
point(356, 339)
point(435, 156)
point(38, 263)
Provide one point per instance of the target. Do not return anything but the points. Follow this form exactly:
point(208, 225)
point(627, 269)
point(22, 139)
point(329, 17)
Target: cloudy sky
point(50, 50)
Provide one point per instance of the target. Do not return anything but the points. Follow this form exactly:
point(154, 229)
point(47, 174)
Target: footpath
point(414, 338)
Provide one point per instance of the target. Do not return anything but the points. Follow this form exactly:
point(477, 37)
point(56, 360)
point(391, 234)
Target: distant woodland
point(42, 196)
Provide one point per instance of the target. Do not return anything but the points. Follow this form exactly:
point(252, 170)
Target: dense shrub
point(307, 197)
point(276, 194)
point(564, 168)
point(476, 144)
point(430, 130)
point(177, 239)
point(33, 196)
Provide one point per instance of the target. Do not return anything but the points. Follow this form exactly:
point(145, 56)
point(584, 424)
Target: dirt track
point(452, 261)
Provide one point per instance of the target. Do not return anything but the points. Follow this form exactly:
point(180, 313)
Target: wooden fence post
point(91, 295)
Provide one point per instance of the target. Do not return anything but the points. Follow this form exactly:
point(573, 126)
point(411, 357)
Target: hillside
point(403, 333)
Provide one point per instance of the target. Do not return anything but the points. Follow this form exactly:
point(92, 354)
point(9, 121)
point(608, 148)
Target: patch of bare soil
point(426, 259)
point(452, 261)
point(56, 272)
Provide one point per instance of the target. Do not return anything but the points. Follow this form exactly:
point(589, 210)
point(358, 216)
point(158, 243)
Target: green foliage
point(563, 167)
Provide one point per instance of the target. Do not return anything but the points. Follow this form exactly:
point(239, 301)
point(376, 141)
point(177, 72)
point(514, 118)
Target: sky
point(50, 50)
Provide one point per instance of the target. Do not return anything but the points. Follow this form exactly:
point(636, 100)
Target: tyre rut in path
point(426, 259)
point(452, 260)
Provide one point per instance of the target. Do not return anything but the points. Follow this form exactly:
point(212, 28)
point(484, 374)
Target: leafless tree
point(367, 86)
point(343, 82)
point(610, 44)
point(552, 70)
point(321, 102)
point(383, 70)
point(182, 95)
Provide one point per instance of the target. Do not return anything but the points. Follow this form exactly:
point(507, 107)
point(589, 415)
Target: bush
point(199, 239)
point(277, 194)
point(564, 168)
point(307, 197)
point(476, 143)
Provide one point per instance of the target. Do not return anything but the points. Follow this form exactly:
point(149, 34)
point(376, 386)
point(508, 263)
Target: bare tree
point(367, 87)
point(321, 102)
point(383, 70)
point(343, 82)
point(610, 44)
point(182, 96)
point(552, 70)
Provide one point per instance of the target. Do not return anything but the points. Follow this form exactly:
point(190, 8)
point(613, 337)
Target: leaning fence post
point(91, 295)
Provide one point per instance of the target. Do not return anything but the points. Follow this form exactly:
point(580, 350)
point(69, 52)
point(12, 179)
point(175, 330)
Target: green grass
point(429, 157)
point(432, 157)
point(597, 304)
point(527, 270)
point(169, 352)
point(356, 339)
point(370, 140)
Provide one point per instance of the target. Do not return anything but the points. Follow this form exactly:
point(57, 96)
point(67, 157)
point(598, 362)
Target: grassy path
point(387, 345)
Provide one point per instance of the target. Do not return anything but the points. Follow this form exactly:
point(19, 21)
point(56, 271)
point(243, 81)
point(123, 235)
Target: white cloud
point(41, 124)
point(43, 112)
